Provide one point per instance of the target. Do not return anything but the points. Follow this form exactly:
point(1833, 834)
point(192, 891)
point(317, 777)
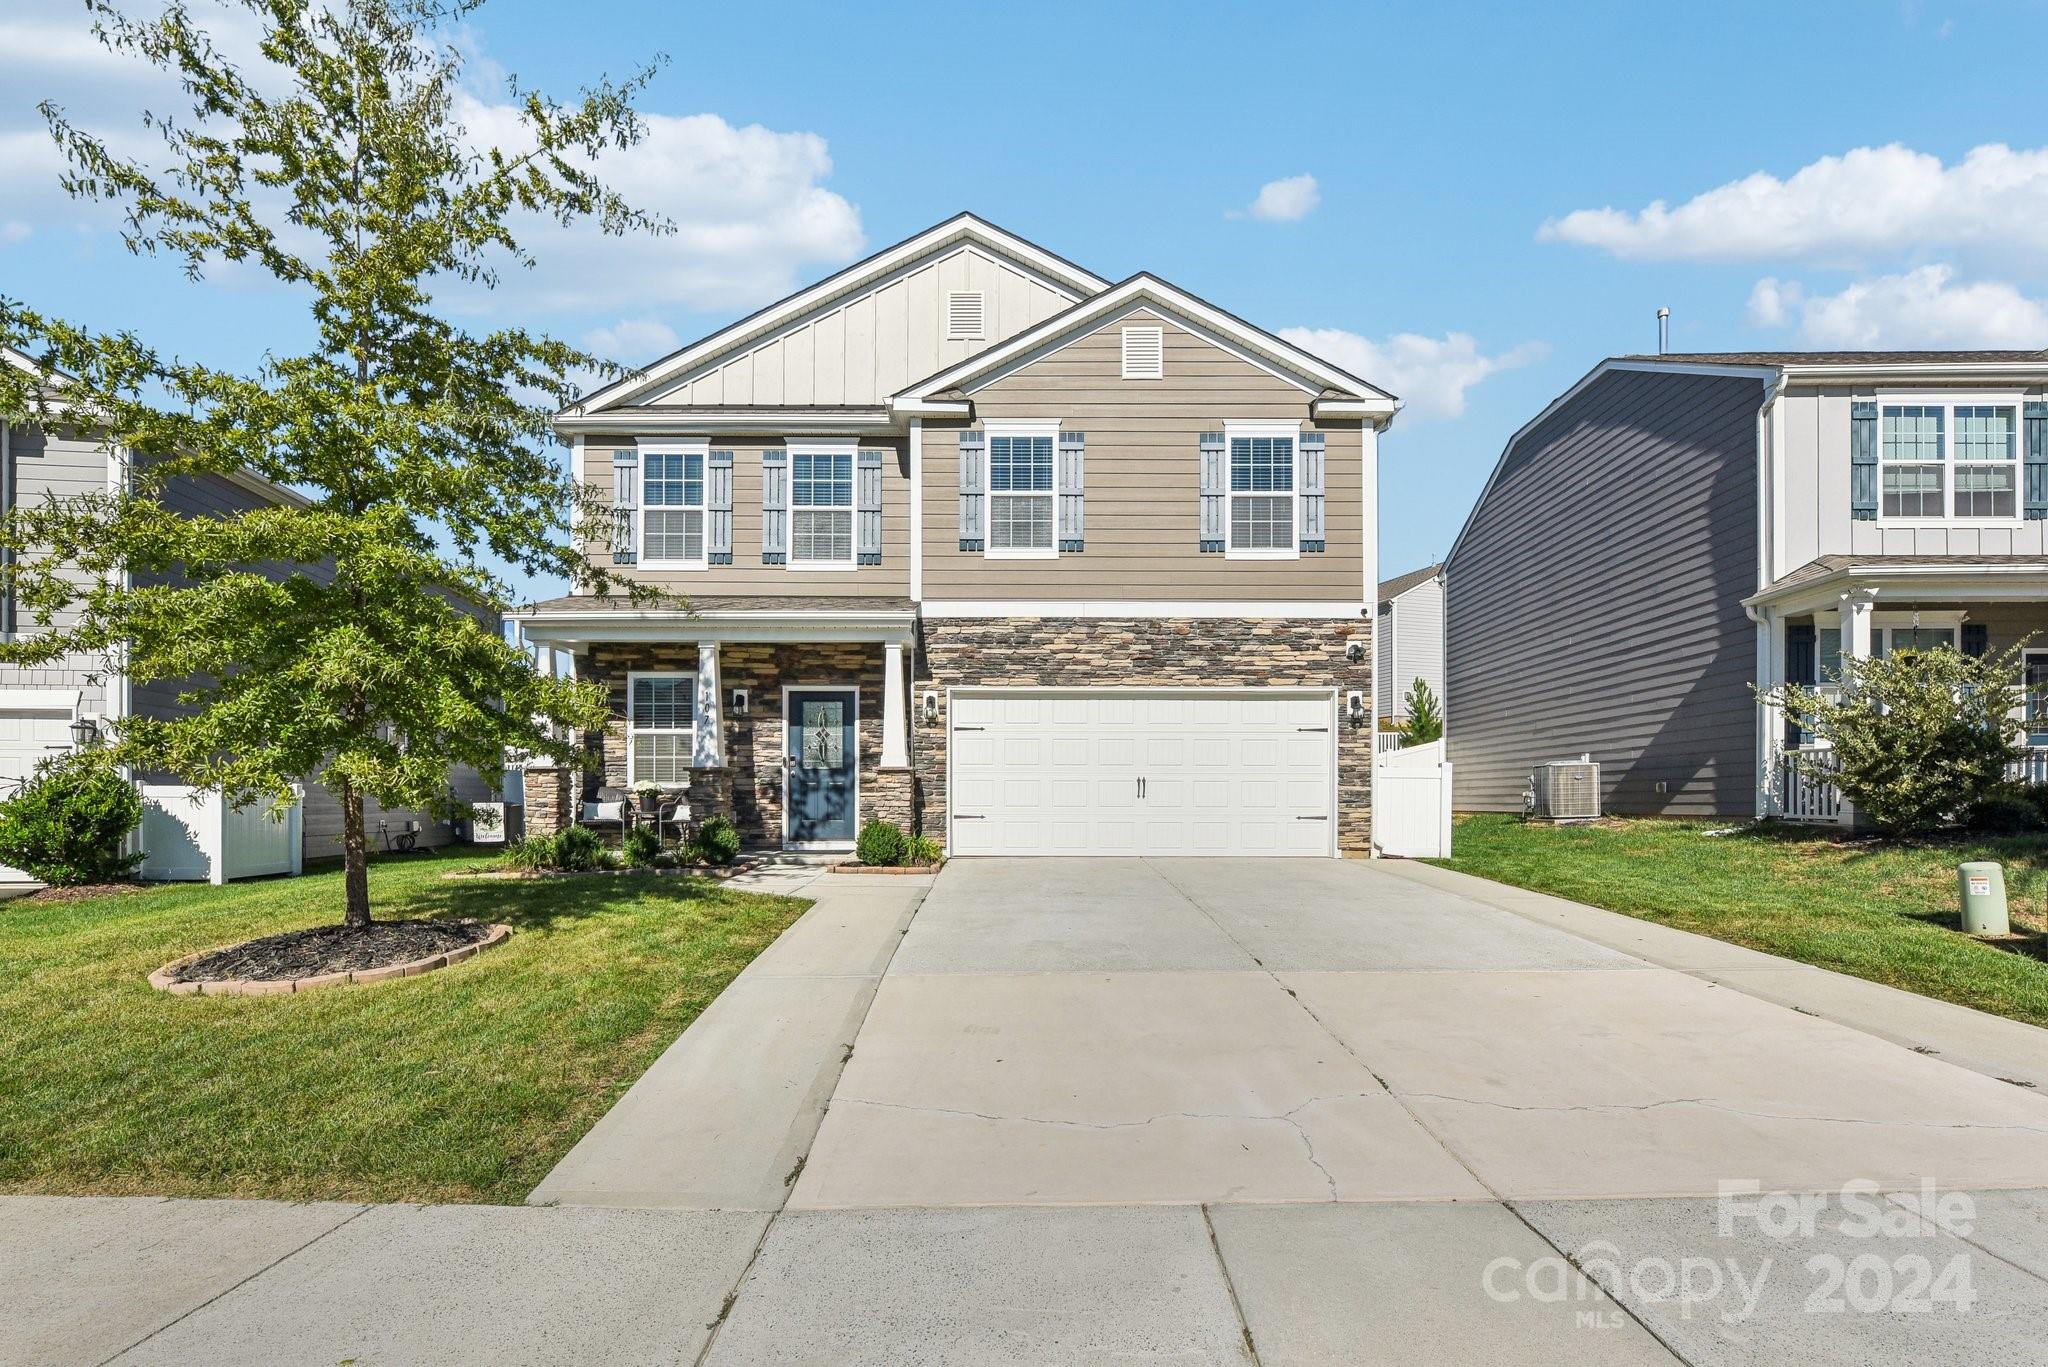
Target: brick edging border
point(162, 981)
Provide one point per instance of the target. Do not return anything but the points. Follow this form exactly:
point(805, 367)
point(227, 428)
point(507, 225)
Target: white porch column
point(1770, 639)
point(1856, 604)
point(710, 745)
point(895, 713)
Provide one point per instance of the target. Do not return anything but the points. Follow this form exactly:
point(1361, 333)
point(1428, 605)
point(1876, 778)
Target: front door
point(822, 766)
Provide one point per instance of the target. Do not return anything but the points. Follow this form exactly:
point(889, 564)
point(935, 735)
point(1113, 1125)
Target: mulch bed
point(331, 949)
point(83, 892)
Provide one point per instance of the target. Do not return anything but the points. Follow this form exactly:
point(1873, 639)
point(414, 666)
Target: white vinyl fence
point(192, 835)
point(1411, 813)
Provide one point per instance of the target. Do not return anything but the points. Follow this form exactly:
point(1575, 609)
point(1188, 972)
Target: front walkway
point(1208, 1111)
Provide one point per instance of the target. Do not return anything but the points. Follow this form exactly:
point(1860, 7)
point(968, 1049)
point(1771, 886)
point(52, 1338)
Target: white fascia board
point(579, 628)
point(966, 608)
point(1291, 362)
point(1381, 411)
point(930, 408)
point(1956, 583)
point(1070, 278)
point(1767, 374)
point(710, 421)
point(2009, 371)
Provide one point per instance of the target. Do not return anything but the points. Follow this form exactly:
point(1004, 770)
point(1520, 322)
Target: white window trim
point(2026, 655)
point(824, 446)
point(634, 730)
point(672, 448)
point(1040, 428)
point(1949, 402)
point(1124, 352)
point(1231, 551)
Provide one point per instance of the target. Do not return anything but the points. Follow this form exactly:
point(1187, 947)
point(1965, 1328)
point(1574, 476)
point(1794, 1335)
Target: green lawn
point(1881, 911)
point(465, 1084)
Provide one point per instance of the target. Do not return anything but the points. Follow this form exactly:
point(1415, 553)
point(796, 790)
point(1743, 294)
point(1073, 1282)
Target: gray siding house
point(1676, 532)
point(38, 705)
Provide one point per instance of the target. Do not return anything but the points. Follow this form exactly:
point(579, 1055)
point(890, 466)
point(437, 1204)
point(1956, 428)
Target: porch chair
point(606, 808)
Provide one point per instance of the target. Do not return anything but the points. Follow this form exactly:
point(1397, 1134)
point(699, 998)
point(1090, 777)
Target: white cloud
point(1430, 374)
point(1926, 307)
point(632, 341)
point(751, 212)
point(1868, 202)
point(1284, 201)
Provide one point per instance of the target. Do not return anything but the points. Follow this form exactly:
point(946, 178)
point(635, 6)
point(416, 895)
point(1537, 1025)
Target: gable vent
point(1144, 353)
point(964, 316)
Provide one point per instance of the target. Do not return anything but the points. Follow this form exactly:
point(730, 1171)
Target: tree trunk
point(355, 859)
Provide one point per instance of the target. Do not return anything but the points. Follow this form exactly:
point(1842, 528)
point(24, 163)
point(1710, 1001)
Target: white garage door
point(1115, 772)
point(34, 723)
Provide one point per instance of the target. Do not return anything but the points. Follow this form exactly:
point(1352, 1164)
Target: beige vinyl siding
point(746, 574)
point(863, 348)
point(1143, 479)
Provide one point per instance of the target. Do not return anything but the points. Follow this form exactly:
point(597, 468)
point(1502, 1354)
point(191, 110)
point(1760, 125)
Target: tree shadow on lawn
point(544, 903)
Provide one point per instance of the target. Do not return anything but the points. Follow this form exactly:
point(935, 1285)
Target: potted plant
point(648, 794)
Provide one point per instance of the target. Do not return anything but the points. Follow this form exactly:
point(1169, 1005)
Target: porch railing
point(1385, 741)
point(1806, 797)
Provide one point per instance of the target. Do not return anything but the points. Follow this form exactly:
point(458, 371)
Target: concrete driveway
point(1190, 1110)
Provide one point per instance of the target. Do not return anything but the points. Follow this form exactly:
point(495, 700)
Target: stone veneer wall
point(548, 797)
point(1135, 652)
point(749, 787)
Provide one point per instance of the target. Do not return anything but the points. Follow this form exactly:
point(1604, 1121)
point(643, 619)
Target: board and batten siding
point(1593, 602)
point(1143, 479)
point(864, 348)
point(1816, 518)
point(747, 574)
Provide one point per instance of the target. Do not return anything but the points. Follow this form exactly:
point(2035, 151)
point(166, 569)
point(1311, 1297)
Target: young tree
point(1425, 716)
point(339, 167)
point(1915, 739)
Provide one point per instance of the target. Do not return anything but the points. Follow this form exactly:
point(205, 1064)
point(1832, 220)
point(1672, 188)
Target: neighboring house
point(1677, 532)
point(1411, 639)
point(982, 543)
point(38, 705)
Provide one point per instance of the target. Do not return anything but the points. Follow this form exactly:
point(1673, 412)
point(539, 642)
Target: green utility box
point(1982, 883)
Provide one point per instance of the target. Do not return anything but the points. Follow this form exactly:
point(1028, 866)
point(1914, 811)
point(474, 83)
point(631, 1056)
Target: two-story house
point(1677, 533)
point(40, 705)
point(975, 540)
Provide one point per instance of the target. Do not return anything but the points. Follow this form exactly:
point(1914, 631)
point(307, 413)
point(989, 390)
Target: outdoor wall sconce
point(1354, 651)
point(1354, 707)
point(84, 732)
point(739, 702)
point(928, 707)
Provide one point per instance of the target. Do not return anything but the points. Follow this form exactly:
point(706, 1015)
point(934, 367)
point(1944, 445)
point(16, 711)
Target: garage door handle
point(1312, 728)
point(968, 816)
point(970, 728)
point(1311, 818)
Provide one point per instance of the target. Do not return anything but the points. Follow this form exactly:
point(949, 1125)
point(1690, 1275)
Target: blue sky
point(1476, 236)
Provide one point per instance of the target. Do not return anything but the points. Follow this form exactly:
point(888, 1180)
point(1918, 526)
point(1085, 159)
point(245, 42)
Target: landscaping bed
point(466, 1084)
point(330, 949)
point(1881, 910)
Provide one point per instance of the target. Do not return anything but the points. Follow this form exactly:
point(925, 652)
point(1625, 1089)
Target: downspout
point(1766, 570)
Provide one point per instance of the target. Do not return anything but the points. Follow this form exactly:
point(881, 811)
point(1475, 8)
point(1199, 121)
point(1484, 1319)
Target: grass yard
point(1879, 911)
point(465, 1084)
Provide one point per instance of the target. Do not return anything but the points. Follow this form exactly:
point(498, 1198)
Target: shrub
point(718, 841)
point(1425, 715)
point(578, 849)
point(922, 849)
point(2009, 811)
point(1917, 739)
point(641, 847)
point(881, 844)
point(67, 823)
point(532, 852)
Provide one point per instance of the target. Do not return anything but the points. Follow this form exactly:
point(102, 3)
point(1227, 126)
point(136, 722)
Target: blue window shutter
point(1863, 460)
point(2036, 449)
point(774, 507)
point(625, 502)
point(867, 548)
point(1801, 667)
point(1314, 449)
point(718, 508)
point(972, 497)
point(1976, 640)
point(1215, 484)
point(1070, 482)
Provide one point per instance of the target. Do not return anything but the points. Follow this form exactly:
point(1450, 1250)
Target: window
point(1144, 353)
point(672, 507)
point(2034, 702)
point(821, 506)
point(964, 316)
point(1261, 493)
point(1939, 460)
point(1020, 493)
point(661, 730)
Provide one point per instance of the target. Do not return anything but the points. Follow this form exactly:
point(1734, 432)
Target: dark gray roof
point(1829, 564)
point(1401, 583)
point(1778, 358)
point(706, 603)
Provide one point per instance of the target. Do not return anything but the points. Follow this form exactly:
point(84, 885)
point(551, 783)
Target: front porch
point(1845, 607)
point(792, 722)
